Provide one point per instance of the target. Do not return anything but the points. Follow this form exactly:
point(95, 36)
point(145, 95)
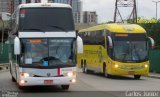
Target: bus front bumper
point(119, 71)
point(46, 81)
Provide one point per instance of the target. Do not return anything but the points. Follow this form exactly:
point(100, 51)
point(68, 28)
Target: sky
point(105, 9)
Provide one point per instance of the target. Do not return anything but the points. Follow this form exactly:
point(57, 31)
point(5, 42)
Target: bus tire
point(10, 69)
point(137, 76)
point(84, 69)
point(65, 87)
point(21, 87)
point(13, 79)
point(81, 63)
point(105, 74)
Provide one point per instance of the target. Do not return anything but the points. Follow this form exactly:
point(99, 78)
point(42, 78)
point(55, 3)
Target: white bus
point(43, 45)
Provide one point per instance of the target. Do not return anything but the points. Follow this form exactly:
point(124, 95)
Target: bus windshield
point(48, 52)
point(46, 19)
point(130, 51)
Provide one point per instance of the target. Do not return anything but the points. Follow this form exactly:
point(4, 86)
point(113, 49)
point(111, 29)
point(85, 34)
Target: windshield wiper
point(57, 27)
point(50, 58)
point(34, 29)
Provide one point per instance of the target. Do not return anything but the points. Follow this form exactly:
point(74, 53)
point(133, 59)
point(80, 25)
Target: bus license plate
point(131, 72)
point(48, 82)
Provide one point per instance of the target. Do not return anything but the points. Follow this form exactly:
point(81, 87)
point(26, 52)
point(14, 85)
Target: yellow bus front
point(129, 52)
point(121, 68)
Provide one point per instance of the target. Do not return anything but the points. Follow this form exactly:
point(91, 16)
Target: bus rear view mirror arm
point(110, 42)
point(79, 45)
point(152, 42)
point(17, 46)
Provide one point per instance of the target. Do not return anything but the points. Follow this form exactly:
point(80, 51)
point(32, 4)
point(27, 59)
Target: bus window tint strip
point(46, 19)
point(93, 38)
point(129, 37)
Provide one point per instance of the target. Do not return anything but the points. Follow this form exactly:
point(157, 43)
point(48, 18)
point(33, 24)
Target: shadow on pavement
point(42, 89)
point(125, 77)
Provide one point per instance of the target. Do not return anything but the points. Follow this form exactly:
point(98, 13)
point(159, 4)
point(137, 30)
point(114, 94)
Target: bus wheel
point(81, 63)
point(105, 72)
point(137, 76)
point(21, 87)
point(13, 79)
point(10, 68)
point(65, 87)
point(84, 69)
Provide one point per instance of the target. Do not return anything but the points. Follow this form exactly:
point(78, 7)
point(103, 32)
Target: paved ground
point(93, 85)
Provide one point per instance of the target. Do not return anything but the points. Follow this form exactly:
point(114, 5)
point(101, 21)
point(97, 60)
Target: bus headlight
point(116, 65)
point(146, 65)
point(73, 80)
point(70, 74)
point(24, 74)
point(22, 81)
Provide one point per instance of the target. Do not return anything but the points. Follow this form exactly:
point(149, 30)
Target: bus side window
point(88, 37)
point(92, 38)
point(101, 38)
point(96, 36)
point(85, 37)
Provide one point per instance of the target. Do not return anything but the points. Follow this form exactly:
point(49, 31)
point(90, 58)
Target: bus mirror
point(17, 46)
point(77, 33)
point(110, 42)
point(152, 42)
point(79, 45)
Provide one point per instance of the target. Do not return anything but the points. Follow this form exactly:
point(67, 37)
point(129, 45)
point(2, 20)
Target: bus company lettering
point(133, 93)
point(142, 94)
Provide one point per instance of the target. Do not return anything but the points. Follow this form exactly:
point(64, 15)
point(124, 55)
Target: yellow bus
point(115, 49)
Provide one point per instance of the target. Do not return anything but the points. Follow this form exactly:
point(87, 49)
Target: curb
point(4, 71)
point(4, 67)
point(157, 76)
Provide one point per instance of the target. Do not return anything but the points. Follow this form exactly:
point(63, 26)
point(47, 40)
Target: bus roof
point(34, 5)
point(117, 28)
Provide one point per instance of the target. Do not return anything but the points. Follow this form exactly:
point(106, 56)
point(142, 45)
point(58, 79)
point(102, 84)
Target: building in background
point(80, 17)
point(8, 5)
point(76, 4)
point(4, 5)
point(30, 1)
point(90, 17)
point(62, 1)
point(77, 9)
point(16, 3)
